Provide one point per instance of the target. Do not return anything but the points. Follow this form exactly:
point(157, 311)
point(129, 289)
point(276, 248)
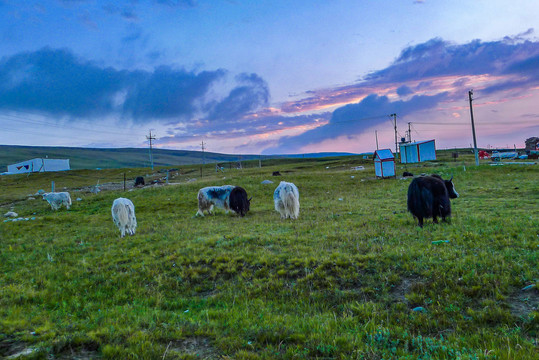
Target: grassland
point(91, 158)
point(352, 278)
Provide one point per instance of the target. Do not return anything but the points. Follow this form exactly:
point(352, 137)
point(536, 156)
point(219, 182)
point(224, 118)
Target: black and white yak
point(227, 197)
point(428, 197)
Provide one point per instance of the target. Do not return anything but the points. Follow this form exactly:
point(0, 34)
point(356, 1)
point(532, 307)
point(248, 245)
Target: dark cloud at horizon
point(352, 119)
point(404, 91)
point(57, 83)
point(251, 94)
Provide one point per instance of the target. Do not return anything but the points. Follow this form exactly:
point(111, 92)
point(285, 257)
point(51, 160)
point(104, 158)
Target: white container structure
point(384, 163)
point(39, 165)
point(418, 151)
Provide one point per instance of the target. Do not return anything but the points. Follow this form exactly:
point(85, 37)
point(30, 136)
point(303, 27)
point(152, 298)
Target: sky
point(268, 77)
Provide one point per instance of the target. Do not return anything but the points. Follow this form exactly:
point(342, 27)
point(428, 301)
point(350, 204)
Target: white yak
point(57, 199)
point(286, 198)
point(123, 215)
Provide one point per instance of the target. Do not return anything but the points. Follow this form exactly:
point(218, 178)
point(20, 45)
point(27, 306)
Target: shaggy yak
point(57, 199)
point(123, 215)
point(428, 197)
point(228, 197)
point(286, 199)
point(139, 181)
point(238, 201)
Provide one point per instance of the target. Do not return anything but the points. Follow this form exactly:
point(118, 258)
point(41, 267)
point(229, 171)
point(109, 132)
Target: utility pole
point(470, 93)
point(150, 138)
point(203, 153)
point(395, 123)
point(376, 134)
point(409, 132)
point(203, 157)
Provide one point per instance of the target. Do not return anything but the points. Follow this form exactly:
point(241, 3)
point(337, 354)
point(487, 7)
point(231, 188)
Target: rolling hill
point(91, 158)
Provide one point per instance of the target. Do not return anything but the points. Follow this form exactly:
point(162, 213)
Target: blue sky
point(267, 76)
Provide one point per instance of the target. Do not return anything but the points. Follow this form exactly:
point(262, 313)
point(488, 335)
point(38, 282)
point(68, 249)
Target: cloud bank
point(425, 77)
point(57, 83)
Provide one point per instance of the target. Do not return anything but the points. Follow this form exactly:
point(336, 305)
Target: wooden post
point(124, 181)
point(52, 186)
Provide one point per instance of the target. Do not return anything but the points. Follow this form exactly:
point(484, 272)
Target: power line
point(48, 124)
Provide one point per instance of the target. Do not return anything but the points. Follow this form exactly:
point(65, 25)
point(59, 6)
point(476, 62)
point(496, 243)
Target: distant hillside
point(91, 158)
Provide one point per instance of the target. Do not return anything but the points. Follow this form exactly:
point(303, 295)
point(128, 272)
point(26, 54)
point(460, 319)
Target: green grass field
point(353, 278)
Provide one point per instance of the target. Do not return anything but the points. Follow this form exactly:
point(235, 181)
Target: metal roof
point(384, 154)
point(418, 142)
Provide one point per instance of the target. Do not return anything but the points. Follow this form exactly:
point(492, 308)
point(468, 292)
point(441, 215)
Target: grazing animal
point(286, 198)
point(428, 197)
point(211, 196)
point(57, 199)
point(276, 173)
point(407, 174)
point(123, 215)
point(139, 181)
point(238, 201)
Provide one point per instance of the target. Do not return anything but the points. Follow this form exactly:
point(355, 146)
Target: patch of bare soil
point(399, 291)
point(82, 354)
point(523, 302)
point(12, 349)
point(196, 346)
point(116, 187)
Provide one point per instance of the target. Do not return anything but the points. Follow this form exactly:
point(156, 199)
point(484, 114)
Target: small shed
point(38, 165)
point(384, 163)
point(418, 151)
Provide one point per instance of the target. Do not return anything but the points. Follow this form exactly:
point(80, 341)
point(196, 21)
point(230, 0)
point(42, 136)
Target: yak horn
point(249, 199)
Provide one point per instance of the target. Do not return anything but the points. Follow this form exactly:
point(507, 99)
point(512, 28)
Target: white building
point(38, 165)
point(417, 151)
point(384, 163)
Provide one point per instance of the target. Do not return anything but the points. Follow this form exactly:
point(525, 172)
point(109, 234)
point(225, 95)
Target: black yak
point(407, 174)
point(238, 201)
point(428, 197)
point(139, 181)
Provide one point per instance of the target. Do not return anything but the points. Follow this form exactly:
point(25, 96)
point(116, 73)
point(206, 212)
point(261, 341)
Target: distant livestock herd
point(428, 197)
